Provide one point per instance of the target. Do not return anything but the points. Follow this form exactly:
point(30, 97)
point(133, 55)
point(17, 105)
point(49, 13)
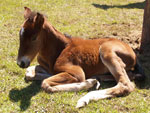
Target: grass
point(121, 19)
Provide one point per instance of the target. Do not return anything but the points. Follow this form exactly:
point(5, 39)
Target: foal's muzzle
point(23, 62)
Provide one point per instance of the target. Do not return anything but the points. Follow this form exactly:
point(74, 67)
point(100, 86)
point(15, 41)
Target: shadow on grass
point(144, 84)
point(24, 95)
point(138, 5)
point(145, 62)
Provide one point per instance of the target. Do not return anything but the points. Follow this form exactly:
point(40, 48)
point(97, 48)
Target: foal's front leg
point(36, 73)
point(72, 79)
point(85, 85)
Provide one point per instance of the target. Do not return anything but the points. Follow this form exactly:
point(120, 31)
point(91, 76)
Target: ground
point(120, 19)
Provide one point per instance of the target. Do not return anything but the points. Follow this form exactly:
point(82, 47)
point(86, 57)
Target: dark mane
point(97, 38)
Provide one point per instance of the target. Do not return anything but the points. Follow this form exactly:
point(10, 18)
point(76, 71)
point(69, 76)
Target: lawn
point(120, 19)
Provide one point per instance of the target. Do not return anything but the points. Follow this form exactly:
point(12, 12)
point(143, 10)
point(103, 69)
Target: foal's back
point(86, 53)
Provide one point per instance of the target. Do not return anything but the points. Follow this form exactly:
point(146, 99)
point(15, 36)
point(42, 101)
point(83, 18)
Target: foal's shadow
point(24, 95)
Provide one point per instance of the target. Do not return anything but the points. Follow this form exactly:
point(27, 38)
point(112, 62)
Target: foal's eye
point(30, 20)
point(33, 38)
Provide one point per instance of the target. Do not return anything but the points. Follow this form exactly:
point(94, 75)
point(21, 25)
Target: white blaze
point(22, 31)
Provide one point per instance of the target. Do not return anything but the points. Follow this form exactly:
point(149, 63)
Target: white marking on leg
point(30, 73)
point(36, 74)
point(93, 95)
point(98, 85)
point(76, 86)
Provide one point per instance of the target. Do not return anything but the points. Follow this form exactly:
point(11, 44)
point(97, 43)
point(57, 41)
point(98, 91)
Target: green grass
point(121, 19)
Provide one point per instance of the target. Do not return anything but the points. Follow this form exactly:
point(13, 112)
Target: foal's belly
point(100, 69)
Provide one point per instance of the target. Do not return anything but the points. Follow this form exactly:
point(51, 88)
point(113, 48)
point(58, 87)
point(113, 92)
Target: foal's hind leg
point(109, 77)
point(36, 73)
point(117, 68)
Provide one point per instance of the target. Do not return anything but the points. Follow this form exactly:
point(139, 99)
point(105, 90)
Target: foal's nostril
point(22, 64)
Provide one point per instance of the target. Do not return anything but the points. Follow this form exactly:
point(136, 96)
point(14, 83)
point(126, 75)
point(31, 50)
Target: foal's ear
point(27, 12)
point(39, 20)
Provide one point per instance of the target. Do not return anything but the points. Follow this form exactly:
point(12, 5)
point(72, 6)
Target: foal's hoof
point(94, 82)
point(81, 104)
point(30, 73)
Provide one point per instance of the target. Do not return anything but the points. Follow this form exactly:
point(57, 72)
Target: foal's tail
point(138, 71)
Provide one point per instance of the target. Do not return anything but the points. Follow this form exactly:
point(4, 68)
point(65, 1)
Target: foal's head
point(29, 37)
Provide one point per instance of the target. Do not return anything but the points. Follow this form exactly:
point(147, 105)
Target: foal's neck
point(56, 35)
point(52, 44)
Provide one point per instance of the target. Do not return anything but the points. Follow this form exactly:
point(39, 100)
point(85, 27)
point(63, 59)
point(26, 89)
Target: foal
point(66, 64)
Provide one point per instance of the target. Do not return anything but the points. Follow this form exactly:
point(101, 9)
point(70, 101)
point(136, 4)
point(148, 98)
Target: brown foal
point(68, 64)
